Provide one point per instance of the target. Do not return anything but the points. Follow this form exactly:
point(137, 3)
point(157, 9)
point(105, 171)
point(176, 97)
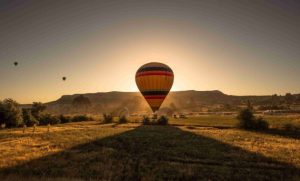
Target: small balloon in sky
point(16, 63)
point(154, 80)
point(64, 78)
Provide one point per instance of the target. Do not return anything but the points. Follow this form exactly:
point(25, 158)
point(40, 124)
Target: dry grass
point(275, 147)
point(210, 148)
point(17, 147)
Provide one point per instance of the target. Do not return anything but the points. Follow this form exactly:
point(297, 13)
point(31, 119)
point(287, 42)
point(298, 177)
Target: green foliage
point(79, 118)
point(28, 119)
point(10, 113)
point(162, 120)
point(261, 124)
point(248, 121)
point(107, 118)
point(37, 109)
point(122, 120)
point(65, 119)
point(48, 119)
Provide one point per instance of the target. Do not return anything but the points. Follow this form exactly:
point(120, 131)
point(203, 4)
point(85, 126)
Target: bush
point(79, 118)
point(163, 120)
point(123, 120)
point(107, 118)
point(248, 121)
point(146, 120)
point(28, 119)
point(10, 113)
point(261, 124)
point(65, 119)
point(49, 119)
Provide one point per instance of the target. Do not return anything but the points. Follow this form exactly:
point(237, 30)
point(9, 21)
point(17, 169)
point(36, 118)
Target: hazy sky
point(238, 47)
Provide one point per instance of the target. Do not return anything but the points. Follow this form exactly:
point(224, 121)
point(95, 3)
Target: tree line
point(12, 115)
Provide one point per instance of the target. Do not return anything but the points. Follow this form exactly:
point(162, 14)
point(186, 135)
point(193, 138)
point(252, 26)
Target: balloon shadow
point(155, 153)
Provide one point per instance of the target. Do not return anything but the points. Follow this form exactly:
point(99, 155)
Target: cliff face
point(113, 102)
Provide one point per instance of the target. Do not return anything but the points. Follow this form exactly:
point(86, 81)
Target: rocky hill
point(180, 101)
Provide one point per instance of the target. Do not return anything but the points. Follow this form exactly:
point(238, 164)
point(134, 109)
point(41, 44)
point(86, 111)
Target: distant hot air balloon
point(154, 80)
point(16, 63)
point(64, 78)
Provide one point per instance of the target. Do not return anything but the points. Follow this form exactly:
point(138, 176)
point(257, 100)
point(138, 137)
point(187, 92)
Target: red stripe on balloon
point(154, 73)
point(155, 97)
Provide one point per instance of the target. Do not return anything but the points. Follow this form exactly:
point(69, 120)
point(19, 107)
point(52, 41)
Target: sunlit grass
point(16, 146)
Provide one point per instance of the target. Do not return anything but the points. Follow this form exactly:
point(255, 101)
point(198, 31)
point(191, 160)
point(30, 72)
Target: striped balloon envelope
point(154, 80)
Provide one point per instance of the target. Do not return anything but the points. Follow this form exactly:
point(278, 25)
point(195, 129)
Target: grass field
point(206, 147)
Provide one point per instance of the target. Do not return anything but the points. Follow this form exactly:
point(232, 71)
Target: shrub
point(261, 124)
point(10, 113)
point(49, 119)
point(163, 120)
point(123, 120)
point(107, 118)
point(28, 119)
point(79, 118)
point(146, 120)
point(65, 119)
point(248, 121)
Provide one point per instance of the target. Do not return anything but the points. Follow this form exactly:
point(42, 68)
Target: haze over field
point(241, 48)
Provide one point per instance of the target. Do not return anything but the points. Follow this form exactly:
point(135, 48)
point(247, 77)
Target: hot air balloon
point(64, 78)
point(154, 81)
point(16, 63)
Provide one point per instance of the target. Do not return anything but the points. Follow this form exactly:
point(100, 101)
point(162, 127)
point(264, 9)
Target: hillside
point(177, 101)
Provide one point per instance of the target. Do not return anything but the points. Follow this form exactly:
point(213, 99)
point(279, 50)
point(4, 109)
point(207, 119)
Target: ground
point(207, 147)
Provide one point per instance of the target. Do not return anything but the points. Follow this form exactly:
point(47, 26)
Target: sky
point(237, 47)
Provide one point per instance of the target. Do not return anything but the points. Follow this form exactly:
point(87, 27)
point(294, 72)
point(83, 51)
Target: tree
point(28, 118)
point(246, 118)
point(248, 121)
point(37, 109)
point(10, 113)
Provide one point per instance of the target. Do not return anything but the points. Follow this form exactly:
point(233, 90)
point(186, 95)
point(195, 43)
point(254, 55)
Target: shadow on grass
point(155, 153)
point(279, 132)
